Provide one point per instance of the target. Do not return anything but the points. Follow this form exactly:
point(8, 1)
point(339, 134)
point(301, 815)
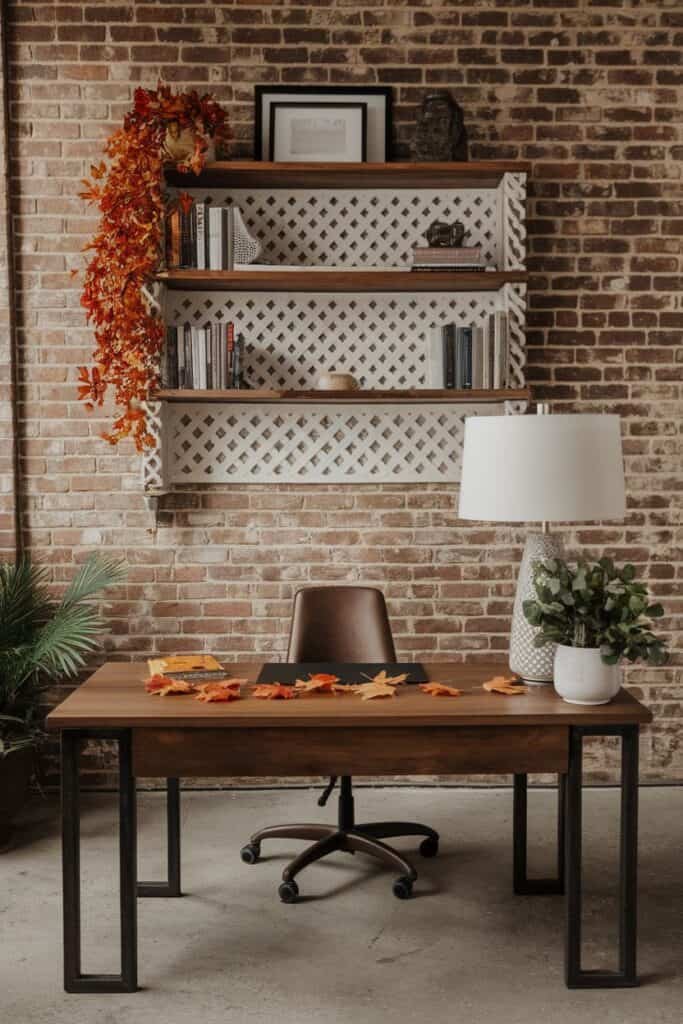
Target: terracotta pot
point(16, 769)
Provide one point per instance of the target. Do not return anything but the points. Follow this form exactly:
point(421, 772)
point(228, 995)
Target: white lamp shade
point(547, 468)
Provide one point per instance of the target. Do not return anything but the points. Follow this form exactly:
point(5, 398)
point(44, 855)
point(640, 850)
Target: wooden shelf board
point(412, 395)
point(341, 280)
point(262, 174)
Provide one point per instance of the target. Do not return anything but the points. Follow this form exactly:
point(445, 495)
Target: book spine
point(449, 355)
point(173, 239)
point(227, 247)
point(467, 357)
point(490, 343)
point(183, 362)
point(435, 367)
point(214, 237)
point(498, 353)
point(477, 357)
point(207, 234)
point(201, 235)
point(209, 358)
point(459, 374)
point(169, 372)
point(230, 349)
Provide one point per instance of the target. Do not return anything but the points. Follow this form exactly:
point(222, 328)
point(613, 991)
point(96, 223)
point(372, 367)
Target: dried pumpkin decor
point(128, 193)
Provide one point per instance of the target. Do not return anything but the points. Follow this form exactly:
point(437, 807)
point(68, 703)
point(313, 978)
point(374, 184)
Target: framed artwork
point(377, 101)
point(329, 132)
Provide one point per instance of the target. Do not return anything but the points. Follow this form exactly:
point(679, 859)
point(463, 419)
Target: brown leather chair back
point(340, 624)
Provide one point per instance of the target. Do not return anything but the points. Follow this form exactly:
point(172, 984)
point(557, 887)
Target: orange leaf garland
point(126, 250)
point(508, 685)
point(273, 691)
point(440, 690)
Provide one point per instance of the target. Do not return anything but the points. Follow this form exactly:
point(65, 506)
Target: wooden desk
point(410, 734)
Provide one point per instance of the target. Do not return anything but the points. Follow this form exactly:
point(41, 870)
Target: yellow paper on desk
point(179, 663)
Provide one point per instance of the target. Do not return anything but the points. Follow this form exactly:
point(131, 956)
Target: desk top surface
point(115, 697)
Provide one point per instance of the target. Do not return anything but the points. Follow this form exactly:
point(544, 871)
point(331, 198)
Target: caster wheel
point(403, 888)
point(250, 853)
point(288, 892)
point(429, 847)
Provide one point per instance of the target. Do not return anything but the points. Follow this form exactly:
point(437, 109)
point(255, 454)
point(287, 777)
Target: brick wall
point(590, 92)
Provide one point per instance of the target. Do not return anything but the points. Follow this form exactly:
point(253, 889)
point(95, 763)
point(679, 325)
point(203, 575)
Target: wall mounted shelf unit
point(335, 292)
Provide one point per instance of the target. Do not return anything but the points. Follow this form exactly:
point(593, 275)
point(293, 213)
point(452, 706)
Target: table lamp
point(516, 469)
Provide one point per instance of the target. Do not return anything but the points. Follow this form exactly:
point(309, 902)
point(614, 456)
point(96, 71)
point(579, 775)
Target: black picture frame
point(350, 92)
point(308, 105)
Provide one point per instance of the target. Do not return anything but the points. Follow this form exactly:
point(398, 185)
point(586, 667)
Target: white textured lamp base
point(533, 664)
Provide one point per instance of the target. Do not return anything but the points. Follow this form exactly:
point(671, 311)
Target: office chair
point(342, 624)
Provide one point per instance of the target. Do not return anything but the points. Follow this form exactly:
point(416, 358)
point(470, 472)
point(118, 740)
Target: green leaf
point(655, 611)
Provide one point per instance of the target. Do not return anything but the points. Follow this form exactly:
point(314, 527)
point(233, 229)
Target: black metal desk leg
point(523, 885)
point(625, 976)
point(74, 979)
point(172, 886)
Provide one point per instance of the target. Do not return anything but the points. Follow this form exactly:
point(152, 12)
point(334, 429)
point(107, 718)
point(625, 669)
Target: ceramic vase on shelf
point(582, 677)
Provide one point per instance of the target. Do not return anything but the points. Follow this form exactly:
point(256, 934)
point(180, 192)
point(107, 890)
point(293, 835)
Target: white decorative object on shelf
point(333, 381)
point(245, 248)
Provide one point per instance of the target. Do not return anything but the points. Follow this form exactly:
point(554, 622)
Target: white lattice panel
point(336, 443)
point(291, 338)
point(360, 228)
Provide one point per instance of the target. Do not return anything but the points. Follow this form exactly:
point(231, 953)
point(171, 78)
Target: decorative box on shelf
point(337, 293)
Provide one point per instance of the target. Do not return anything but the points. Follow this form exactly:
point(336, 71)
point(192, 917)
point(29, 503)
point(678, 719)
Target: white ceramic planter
point(581, 676)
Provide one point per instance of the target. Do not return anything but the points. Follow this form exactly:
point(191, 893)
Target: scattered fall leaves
point(320, 682)
point(129, 333)
point(508, 685)
point(387, 680)
point(273, 691)
point(381, 685)
point(219, 691)
point(440, 690)
point(368, 691)
point(161, 686)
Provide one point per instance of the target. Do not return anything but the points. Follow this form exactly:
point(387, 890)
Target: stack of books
point(201, 238)
point(475, 357)
point(203, 358)
point(462, 257)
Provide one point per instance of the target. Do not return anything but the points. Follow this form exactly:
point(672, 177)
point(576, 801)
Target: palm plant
point(42, 640)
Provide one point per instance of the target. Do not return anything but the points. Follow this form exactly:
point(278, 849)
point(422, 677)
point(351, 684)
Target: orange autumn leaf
point(508, 685)
point(273, 691)
point(440, 690)
point(221, 691)
point(373, 689)
point(383, 679)
point(168, 687)
point(318, 682)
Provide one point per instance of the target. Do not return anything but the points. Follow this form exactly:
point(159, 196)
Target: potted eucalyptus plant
point(597, 615)
point(41, 640)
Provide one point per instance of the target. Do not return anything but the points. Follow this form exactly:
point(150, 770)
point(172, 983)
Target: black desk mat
point(289, 672)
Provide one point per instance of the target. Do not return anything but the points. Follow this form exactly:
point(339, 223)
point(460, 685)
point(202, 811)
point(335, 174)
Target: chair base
point(359, 838)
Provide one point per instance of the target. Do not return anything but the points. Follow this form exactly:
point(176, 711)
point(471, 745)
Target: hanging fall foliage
point(127, 248)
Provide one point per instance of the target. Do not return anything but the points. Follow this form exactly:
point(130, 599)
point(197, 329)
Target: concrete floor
point(464, 950)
